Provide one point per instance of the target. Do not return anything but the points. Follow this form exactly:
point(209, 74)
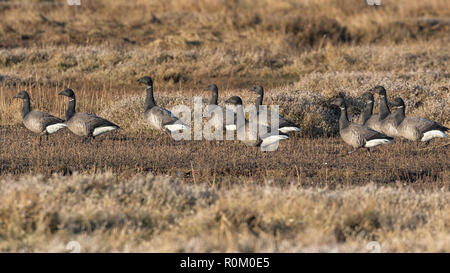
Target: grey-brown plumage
point(38, 122)
point(158, 117)
point(357, 135)
point(219, 120)
point(415, 128)
point(284, 124)
point(253, 136)
point(387, 122)
point(367, 117)
point(84, 124)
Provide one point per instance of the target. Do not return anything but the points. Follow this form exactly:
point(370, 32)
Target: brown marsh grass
point(138, 190)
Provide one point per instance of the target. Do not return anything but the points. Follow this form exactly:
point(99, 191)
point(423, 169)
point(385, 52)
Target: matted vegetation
point(161, 214)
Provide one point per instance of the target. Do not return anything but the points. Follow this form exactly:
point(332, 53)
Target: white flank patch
point(176, 127)
point(432, 134)
point(55, 127)
point(289, 129)
point(376, 142)
point(231, 127)
point(272, 139)
point(101, 130)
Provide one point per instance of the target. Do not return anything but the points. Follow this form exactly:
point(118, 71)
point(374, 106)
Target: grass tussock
point(154, 214)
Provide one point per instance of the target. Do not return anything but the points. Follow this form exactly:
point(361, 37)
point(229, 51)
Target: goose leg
point(368, 150)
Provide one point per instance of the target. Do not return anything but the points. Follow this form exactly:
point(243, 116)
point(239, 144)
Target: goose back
point(38, 122)
point(374, 123)
point(357, 135)
point(85, 124)
point(415, 128)
point(159, 117)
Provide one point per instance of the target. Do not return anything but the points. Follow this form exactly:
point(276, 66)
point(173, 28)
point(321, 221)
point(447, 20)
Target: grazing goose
point(84, 124)
point(357, 135)
point(159, 118)
point(387, 122)
point(284, 124)
point(367, 117)
point(415, 128)
point(251, 137)
point(227, 124)
point(38, 122)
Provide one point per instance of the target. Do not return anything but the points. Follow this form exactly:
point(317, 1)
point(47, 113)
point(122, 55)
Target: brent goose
point(251, 137)
point(284, 124)
point(84, 124)
point(357, 135)
point(38, 122)
point(415, 128)
point(158, 117)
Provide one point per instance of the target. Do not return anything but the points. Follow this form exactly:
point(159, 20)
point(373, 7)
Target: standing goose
point(284, 124)
point(384, 108)
point(84, 124)
point(415, 128)
point(251, 137)
point(367, 117)
point(387, 122)
point(158, 117)
point(357, 135)
point(38, 122)
point(227, 124)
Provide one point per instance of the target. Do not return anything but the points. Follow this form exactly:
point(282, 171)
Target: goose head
point(258, 89)
point(367, 97)
point(235, 100)
point(379, 90)
point(397, 103)
point(22, 95)
point(213, 88)
point(146, 80)
point(67, 92)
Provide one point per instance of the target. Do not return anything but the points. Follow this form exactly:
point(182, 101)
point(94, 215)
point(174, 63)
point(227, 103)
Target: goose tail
point(289, 129)
point(176, 127)
point(55, 127)
point(432, 134)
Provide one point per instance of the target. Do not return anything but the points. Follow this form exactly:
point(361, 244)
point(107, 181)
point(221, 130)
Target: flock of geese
point(373, 130)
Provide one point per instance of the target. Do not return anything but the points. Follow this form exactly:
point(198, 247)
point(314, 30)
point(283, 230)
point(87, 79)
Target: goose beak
point(16, 97)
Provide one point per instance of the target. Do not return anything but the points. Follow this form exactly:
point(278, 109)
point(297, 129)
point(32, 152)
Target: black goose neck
point(367, 112)
point(343, 119)
point(71, 109)
point(384, 109)
point(259, 101)
point(26, 108)
point(399, 114)
point(149, 99)
point(214, 97)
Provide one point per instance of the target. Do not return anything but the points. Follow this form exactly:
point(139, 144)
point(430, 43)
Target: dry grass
point(222, 196)
point(160, 214)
